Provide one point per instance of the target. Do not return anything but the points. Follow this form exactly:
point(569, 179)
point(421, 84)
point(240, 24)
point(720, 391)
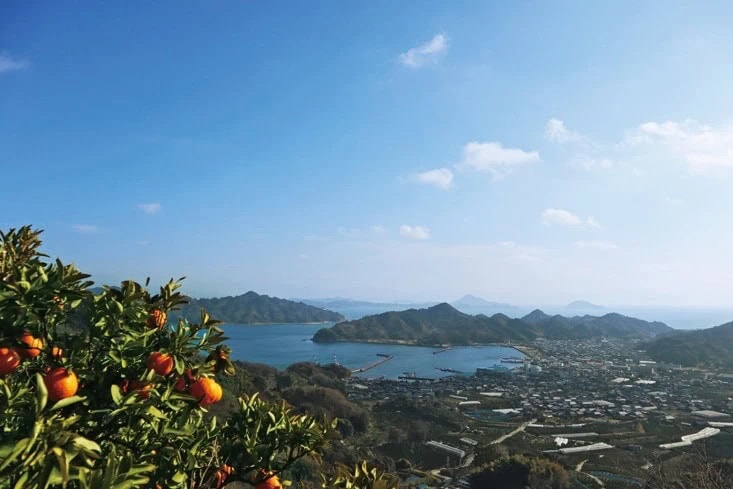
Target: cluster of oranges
point(60, 382)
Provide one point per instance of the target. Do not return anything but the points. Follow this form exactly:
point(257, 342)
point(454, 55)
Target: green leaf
point(116, 394)
point(67, 402)
point(41, 393)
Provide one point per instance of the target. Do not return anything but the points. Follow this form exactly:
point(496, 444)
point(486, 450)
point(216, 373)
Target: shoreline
point(527, 351)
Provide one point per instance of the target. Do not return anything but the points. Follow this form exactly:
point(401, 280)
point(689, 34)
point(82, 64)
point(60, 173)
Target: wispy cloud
point(705, 149)
point(414, 232)
point(493, 158)
point(557, 132)
point(85, 228)
point(561, 217)
point(425, 53)
point(151, 208)
point(379, 229)
point(440, 177)
point(8, 64)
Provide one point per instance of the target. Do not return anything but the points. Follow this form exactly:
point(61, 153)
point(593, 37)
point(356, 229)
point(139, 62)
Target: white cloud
point(8, 64)
point(557, 132)
point(561, 217)
point(151, 208)
point(705, 149)
point(596, 245)
point(414, 232)
point(492, 157)
point(440, 177)
point(564, 217)
point(424, 53)
point(379, 229)
point(85, 228)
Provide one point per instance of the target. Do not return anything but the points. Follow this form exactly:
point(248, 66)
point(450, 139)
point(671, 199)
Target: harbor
point(383, 359)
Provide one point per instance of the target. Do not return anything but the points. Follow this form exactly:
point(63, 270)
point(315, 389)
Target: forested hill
point(443, 324)
point(705, 347)
point(612, 324)
point(253, 308)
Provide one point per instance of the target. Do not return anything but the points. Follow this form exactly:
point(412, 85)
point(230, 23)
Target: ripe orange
point(222, 474)
point(206, 390)
point(33, 345)
point(272, 483)
point(157, 319)
point(160, 363)
point(61, 383)
point(57, 353)
point(9, 361)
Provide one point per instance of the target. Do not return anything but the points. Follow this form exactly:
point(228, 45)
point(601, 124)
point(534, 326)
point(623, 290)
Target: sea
point(280, 345)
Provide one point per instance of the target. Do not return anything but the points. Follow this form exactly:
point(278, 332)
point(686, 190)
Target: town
point(601, 407)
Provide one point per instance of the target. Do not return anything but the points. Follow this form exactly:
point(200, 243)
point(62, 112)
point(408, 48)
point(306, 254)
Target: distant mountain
point(704, 347)
point(444, 324)
point(611, 325)
point(253, 308)
point(472, 302)
point(583, 305)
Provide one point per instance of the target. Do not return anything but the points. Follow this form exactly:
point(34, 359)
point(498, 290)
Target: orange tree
point(98, 390)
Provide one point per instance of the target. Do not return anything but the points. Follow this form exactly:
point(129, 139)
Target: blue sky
point(529, 152)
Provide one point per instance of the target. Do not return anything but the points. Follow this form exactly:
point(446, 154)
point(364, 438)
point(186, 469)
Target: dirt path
point(519, 429)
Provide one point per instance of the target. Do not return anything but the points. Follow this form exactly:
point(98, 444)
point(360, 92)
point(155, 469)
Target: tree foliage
point(114, 423)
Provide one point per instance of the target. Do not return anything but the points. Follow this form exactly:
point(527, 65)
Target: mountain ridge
point(704, 347)
point(444, 324)
point(254, 308)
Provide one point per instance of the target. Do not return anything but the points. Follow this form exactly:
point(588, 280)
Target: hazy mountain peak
point(583, 305)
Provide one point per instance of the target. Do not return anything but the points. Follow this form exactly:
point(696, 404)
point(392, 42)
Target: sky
point(526, 152)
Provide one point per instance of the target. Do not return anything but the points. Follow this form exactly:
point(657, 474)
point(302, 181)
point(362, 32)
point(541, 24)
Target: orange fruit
point(9, 361)
point(272, 482)
point(61, 383)
point(57, 353)
point(157, 319)
point(206, 390)
point(33, 345)
point(222, 474)
point(160, 363)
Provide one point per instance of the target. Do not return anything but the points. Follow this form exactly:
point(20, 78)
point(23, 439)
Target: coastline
point(527, 351)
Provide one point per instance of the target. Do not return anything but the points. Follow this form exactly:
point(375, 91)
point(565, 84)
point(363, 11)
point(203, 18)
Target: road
point(519, 429)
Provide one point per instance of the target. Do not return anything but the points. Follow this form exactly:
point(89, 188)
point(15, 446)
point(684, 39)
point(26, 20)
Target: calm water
point(281, 345)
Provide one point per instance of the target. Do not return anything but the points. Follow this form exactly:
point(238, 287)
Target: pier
point(384, 358)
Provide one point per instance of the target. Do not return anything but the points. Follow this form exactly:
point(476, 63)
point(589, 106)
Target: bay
point(280, 345)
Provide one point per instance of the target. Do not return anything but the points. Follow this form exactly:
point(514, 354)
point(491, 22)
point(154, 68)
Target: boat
point(442, 350)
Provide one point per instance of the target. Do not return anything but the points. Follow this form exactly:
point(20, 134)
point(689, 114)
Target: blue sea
point(280, 345)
